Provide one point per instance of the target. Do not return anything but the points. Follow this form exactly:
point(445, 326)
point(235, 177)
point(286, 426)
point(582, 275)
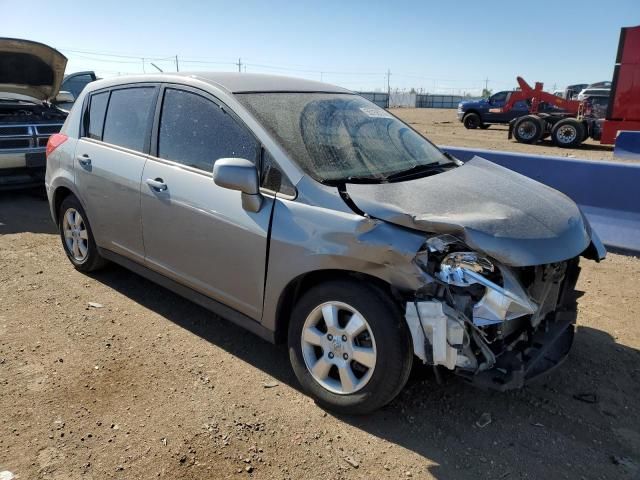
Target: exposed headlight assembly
point(465, 268)
point(454, 268)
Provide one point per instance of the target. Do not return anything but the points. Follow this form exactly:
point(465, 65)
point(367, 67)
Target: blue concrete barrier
point(627, 145)
point(607, 192)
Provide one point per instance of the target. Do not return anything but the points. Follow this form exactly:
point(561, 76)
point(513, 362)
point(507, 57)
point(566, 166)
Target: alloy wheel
point(338, 348)
point(76, 236)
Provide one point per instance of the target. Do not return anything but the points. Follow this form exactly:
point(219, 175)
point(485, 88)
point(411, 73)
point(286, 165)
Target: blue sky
point(442, 46)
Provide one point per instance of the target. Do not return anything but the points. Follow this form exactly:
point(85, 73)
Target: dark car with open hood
point(307, 214)
point(30, 77)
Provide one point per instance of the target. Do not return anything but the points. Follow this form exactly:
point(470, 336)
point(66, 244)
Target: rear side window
point(129, 117)
point(196, 132)
point(97, 109)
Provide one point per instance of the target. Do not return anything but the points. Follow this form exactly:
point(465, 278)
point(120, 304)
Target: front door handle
point(157, 184)
point(84, 160)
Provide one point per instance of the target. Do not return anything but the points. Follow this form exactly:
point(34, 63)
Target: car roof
point(233, 82)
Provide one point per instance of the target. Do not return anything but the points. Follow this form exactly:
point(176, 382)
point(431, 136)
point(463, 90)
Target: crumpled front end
point(495, 325)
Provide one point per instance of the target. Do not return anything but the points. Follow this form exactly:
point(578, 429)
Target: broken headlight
point(454, 266)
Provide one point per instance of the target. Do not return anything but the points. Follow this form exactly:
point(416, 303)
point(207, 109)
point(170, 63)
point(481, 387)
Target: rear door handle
point(158, 184)
point(84, 160)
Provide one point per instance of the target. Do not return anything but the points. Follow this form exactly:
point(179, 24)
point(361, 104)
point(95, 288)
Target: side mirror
point(64, 97)
point(242, 175)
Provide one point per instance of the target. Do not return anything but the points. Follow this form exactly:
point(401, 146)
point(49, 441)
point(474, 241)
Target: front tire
point(471, 121)
point(77, 237)
point(349, 346)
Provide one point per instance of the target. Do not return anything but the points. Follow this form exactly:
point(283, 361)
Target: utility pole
point(143, 70)
point(239, 65)
point(389, 82)
point(177, 66)
point(486, 84)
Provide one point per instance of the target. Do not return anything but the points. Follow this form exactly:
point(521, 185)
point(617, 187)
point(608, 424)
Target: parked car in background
point(572, 91)
point(598, 89)
point(30, 78)
point(477, 113)
point(307, 214)
point(74, 83)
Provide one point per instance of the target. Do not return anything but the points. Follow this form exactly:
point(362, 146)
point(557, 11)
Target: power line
point(131, 59)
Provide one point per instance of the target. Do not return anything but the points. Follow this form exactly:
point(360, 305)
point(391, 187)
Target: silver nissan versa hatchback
point(307, 214)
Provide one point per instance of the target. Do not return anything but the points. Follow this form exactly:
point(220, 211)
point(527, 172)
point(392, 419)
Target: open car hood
point(30, 68)
point(494, 210)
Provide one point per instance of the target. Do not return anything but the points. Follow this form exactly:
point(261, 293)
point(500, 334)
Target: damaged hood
point(30, 68)
point(494, 210)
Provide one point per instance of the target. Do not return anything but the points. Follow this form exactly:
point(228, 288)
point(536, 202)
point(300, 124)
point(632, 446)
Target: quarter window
point(97, 109)
point(196, 132)
point(128, 117)
point(272, 177)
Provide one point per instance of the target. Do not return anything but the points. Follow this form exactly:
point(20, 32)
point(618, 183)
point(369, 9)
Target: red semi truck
point(575, 122)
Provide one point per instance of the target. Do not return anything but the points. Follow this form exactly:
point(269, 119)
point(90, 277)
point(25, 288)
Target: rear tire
point(471, 121)
point(568, 133)
point(528, 129)
point(77, 237)
point(317, 347)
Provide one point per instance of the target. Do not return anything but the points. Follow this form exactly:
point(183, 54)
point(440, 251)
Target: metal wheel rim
point(338, 348)
point(567, 134)
point(76, 236)
point(527, 130)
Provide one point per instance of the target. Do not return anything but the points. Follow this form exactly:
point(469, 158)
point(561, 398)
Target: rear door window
point(129, 117)
point(97, 109)
point(195, 131)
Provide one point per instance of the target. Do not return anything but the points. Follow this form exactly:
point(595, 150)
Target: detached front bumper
point(514, 369)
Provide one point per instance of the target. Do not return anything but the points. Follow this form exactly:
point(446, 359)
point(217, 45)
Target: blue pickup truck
point(476, 114)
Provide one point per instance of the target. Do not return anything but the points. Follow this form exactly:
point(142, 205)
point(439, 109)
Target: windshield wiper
point(431, 168)
point(364, 179)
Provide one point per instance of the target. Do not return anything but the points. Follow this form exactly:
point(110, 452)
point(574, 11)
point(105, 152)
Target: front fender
point(307, 238)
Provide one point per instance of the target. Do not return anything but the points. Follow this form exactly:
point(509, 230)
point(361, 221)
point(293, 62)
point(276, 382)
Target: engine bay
point(13, 111)
point(490, 323)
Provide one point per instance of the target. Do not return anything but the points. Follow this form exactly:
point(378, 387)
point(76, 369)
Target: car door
point(196, 232)
point(110, 158)
point(496, 101)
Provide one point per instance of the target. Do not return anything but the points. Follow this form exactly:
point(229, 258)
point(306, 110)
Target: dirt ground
point(148, 385)
point(443, 128)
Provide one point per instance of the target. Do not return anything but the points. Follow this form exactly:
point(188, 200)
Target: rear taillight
point(55, 141)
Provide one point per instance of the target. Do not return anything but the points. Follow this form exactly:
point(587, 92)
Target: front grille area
point(47, 129)
point(8, 143)
point(26, 136)
point(10, 130)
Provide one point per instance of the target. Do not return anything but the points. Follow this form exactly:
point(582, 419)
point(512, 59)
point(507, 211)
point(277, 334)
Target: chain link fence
point(379, 98)
point(413, 100)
